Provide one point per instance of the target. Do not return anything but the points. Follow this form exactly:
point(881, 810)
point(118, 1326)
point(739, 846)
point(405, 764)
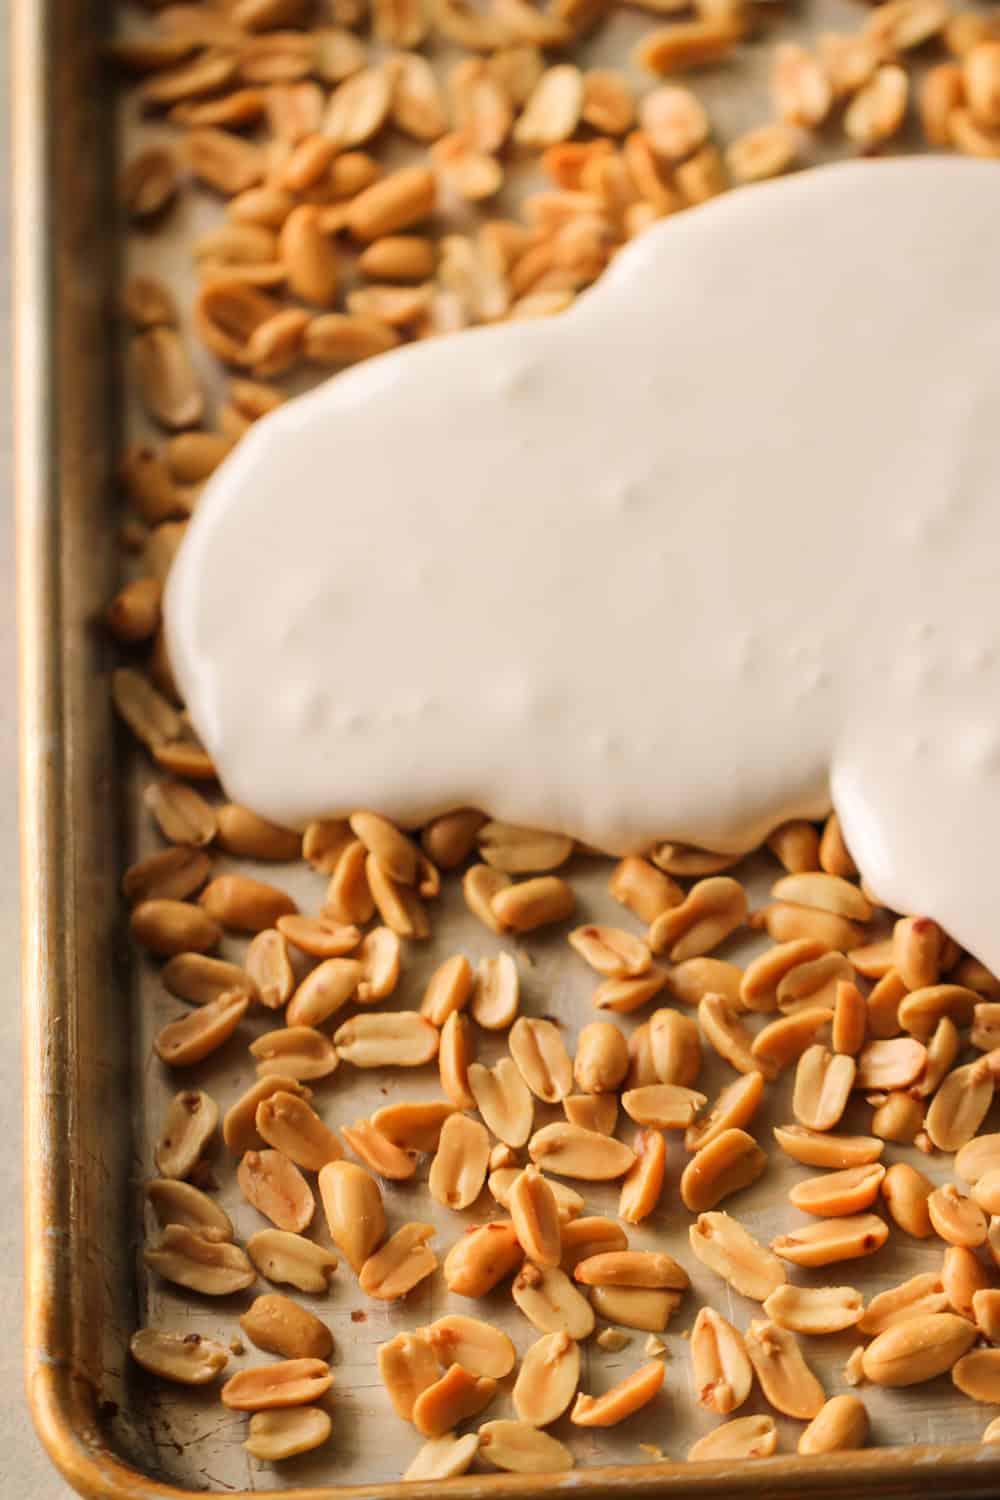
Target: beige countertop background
point(24, 1468)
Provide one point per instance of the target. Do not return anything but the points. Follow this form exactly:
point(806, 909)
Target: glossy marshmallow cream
point(718, 547)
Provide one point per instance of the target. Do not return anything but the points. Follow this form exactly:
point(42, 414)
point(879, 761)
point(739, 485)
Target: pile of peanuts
point(290, 115)
point(800, 1005)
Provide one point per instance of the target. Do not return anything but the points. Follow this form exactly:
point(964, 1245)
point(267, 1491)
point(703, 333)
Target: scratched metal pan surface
point(94, 1092)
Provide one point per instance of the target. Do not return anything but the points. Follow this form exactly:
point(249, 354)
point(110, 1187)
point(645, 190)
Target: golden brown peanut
point(170, 875)
point(689, 982)
point(270, 968)
point(986, 1026)
point(450, 839)
point(536, 1218)
point(454, 1060)
point(730, 1162)
point(986, 1191)
point(611, 951)
point(286, 1122)
point(533, 903)
point(710, 911)
point(276, 1188)
point(188, 1126)
point(189, 1040)
point(641, 1071)
point(796, 845)
point(522, 1449)
point(458, 1170)
point(900, 1118)
point(913, 1298)
point(850, 1019)
point(734, 1108)
point(814, 1148)
point(408, 1366)
point(445, 1457)
point(379, 957)
point(176, 1202)
point(664, 1105)
point(624, 995)
point(213, 1267)
point(279, 1325)
point(675, 1045)
point(167, 928)
point(326, 989)
point(977, 1375)
point(452, 1399)
point(400, 1264)
point(448, 990)
point(644, 889)
point(721, 1366)
point(847, 1238)
point(823, 1083)
point(873, 960)
point(398, 904)
point(917, 947)
point(291, 1260)
point(542, 1059)
point(959, 1106)
point(551, 1302)
point(287, 1432)
point(591, 1235)
point(638, 1268)
point(187, 1358)
point(378, 1153)
point(134, 613)
point(522, 851)
point(628, 1396)
point(197, 978)
point(986, 1312)
point(841, 1425)
point(918, 1349)
point(783, 1042)
point(955, 1218)
point(478, 1347)
point(745, 1437)
point(836, 1193)
point(922, 1009)
point(319, 937)
point(906, 1192)
point(883, 1005)
point(387, 1039)
point(824, 892)
point(687, 862)
point(413, 1126)
point(355, 1215)
point(243, 905)
point(643, 1182)
point(601, 1060)
point(182, 814)
point(815, 1310)
point(943, 1047)
point(645, 1308)
point(495, 993)
point(571, 1152)
point(762, 977)
point(978, 1157)
point(348, 897)
point(592, 1111)
point(480, 884)
point(813, 983)
point(243, 833)
point(290, 1382)
point(784, 923)
point(483, 1256)
point(785, 1378)
point(502, 1098)
point(547, 1380)
point(728, 1036)
point(962, 1276)
point(725, 1247)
